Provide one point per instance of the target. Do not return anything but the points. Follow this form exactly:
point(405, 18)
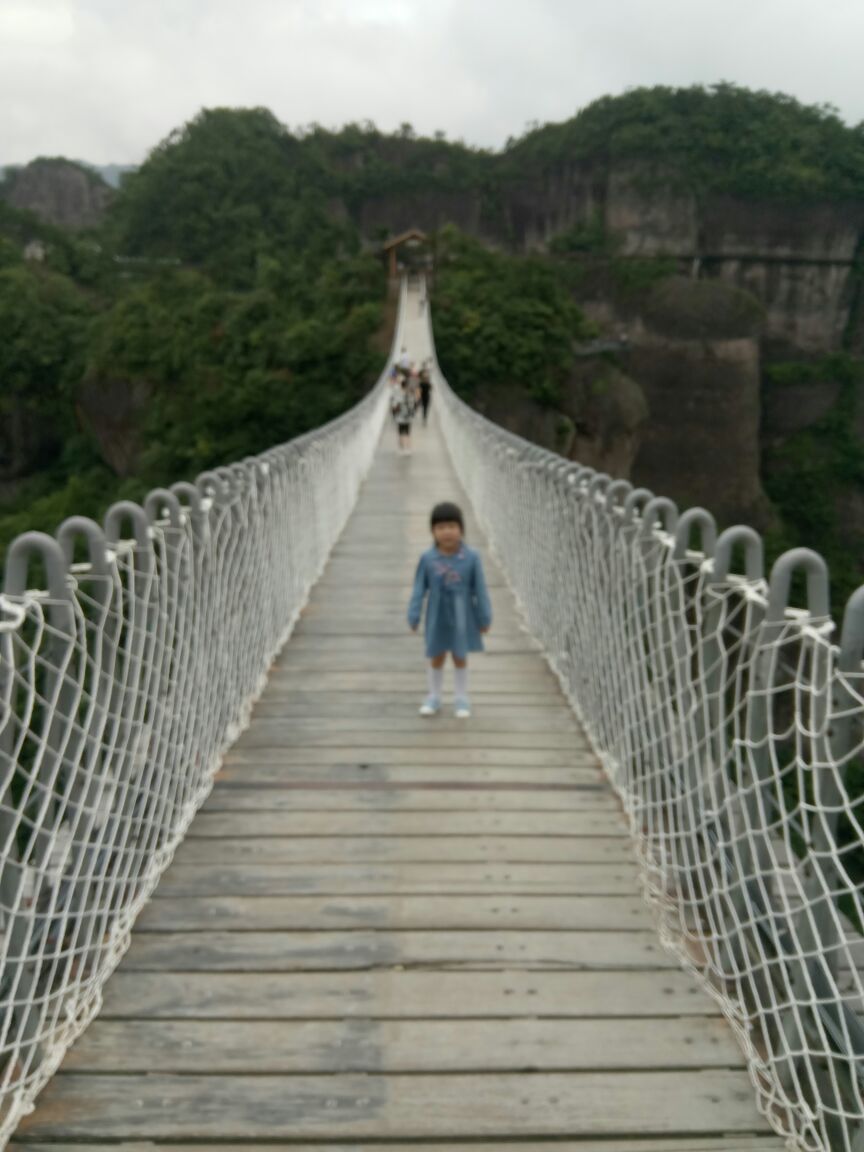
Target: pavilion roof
point(411, 234)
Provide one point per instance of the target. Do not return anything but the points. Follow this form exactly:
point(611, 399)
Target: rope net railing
point(123, 679)
point(731, 725)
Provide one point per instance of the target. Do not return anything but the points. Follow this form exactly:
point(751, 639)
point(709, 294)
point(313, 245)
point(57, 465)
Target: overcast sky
point(106, 80)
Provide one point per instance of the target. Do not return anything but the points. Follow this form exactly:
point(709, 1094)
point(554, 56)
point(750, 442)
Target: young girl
point(457, 611)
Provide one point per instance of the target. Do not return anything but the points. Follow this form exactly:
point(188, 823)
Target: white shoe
point(462, 709)
point(430, 706)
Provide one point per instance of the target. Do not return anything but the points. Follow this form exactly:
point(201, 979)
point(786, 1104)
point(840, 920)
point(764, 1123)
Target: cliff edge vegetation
point(230, 295)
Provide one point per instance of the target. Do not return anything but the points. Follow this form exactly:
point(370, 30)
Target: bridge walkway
point(389, 931)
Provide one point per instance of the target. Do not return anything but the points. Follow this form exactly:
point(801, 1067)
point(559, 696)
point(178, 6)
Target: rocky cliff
point(59, 192)
point(705, 439)
point(679, 413)
point(801, 260)
point(695, 351)
point(599, 419)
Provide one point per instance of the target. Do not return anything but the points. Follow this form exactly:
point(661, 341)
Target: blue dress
point(458, 605)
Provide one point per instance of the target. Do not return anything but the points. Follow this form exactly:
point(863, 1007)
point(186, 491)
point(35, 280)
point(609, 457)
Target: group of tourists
point(410, 389)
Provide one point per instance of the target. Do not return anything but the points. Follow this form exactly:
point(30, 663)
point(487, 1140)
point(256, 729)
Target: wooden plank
point(314, 701)
point(381, 602)
point(161, 1106)
point(377, 594)
point(344, 573)
point(384, 568)
point(375, 623)
point(247, 879)
point(410, 734)
point(519, 946)
point(383, 614)
point(725, 1143)
point(262, 913)
point(373, 679)
point(419, 756)
point(405, 644)
point(396, 994)
point(380, 613)
point(393, 542)
point(381, 547)
point(417, 776)
point(407, 824)
point(313, 662)
point(359, 948)
point(275, 799)
point(390, 654)
point(495, 728)
point(402, 1046)
point(386, 602)
point(353, 631)
point(380, 711)
point(378, 849)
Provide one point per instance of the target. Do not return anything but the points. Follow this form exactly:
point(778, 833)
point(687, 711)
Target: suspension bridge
point(615, 910)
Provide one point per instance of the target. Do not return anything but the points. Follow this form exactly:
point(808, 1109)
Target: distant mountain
point(62, 192)
point(111, 173)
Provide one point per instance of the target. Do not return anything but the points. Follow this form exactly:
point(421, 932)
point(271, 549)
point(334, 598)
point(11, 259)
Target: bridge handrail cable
point(731, 724)
point(130, 656)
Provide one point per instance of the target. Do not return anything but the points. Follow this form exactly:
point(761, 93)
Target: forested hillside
point(232, 296)
point(190, 330)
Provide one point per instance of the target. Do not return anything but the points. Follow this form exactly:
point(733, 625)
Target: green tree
point(502, 319)
point(43, 320)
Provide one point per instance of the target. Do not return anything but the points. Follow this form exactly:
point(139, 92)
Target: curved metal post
point(26, 875)
point(163, 504)
point(699, 518)
point(635, 503)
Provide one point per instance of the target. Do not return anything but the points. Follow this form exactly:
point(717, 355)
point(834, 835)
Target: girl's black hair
point(447, 513)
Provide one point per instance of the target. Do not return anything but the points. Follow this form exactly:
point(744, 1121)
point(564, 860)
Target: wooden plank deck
point(384, 931)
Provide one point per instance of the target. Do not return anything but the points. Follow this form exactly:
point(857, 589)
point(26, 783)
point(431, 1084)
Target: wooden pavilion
point(412, 240)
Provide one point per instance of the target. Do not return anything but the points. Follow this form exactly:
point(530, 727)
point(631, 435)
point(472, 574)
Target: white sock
point(460, 681)
point(435, 680)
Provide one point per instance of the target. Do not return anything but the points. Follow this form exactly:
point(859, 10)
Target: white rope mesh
point(730, 725)
point(121, 686)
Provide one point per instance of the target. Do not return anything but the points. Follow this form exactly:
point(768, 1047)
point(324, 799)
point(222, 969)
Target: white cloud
point(106, 81)
point(27, 26)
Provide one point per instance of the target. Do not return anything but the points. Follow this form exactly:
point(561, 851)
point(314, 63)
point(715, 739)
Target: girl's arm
point(481, 595)
point(421, 586)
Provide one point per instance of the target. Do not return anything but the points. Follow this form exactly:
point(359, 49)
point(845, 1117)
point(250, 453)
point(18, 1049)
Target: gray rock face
point(807, 305)
point(599, 420)
point(702, 446)
point(694, 349)
point(650, 214)
point(112, 411)
point(392, 214)
point(60, 193)
point(797, 259)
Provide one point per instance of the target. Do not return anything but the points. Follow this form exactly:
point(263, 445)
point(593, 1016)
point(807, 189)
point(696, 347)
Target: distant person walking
point(425, 388)
point(450, 580)
point(403, 413)
point(404, 362)
point(394, 382)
